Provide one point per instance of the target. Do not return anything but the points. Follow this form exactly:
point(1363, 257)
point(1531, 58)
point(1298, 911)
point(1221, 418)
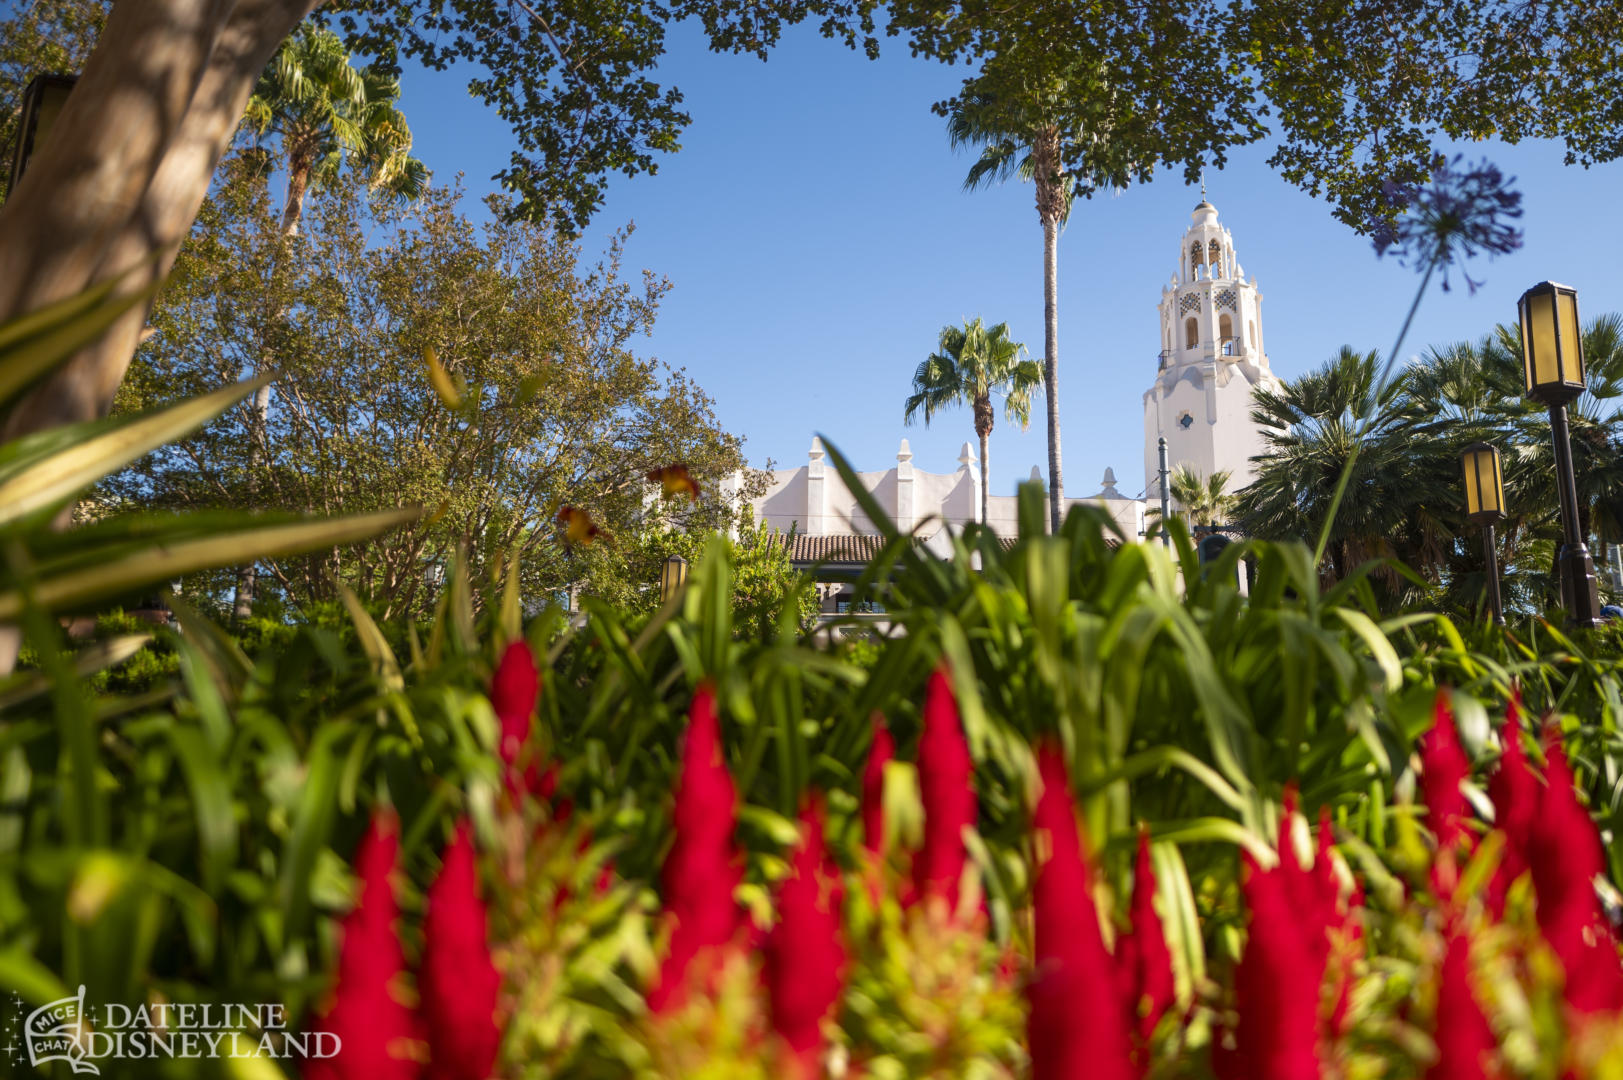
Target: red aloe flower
point(882, 750)
point(1078, 1024)
point(701, 870)
point(1515, 792)
point(1277, 981)
point(1461, 1031)
point(949, 798)
point(805, 958)
point(378, 1035)
point(513, 692)
point(1566, 855)
point(1443, 766)
point(1142, 953)
point(458, 981)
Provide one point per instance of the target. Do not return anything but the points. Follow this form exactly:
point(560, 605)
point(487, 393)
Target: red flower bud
point(944, 768)
point(1078, 1025)
point(1443, 767)
point(378, 1035)
point(1142, 953)
point(458, 981)
point(880, 752)
point(805, 958)
point(1277, 981)
point(1566, 856)
point(513, 692)
point(701, 870)
point(1464, 1039)
point(1515, 792)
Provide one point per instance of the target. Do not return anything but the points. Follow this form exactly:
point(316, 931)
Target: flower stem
point(1372, 405)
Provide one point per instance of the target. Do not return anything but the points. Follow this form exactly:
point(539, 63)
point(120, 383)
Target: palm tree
point(1203, 499)
point(975, 364)
point(1394, 500)
point(323, 109)
point(1031, 151)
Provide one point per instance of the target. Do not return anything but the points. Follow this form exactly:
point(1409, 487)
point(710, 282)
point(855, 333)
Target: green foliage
point(547, 403)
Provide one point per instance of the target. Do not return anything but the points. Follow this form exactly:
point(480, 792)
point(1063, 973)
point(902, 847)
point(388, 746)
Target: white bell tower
point(1211, 360)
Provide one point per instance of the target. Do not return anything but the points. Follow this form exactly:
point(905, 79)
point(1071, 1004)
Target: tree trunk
point(298, 182)
point(117, 186)
point(1050, 184)
point(985, 473)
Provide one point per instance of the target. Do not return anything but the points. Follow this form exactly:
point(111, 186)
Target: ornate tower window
point(1191, 334)
point(1186, 421)
point(1215, 256)
point(1194, 260)
point(1225, 332)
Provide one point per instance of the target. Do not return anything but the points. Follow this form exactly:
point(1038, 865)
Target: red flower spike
point(1515, 792)
point(1565, 856)
point(458, 981)
point(880, 753)
point(1277, 983)
point(513, 692)
point(805, 959)
point(1078, 1025)
point(701, 871)
point(378, 1035)
point(1464, 1039)
point(1144, 950)
point(1341, 919)
point(944, 769)
point(1443, 766)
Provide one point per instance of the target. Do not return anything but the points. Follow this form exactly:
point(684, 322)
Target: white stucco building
point(1212, 358)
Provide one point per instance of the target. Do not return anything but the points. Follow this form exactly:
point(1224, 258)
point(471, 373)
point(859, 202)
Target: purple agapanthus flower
point(1441, 224)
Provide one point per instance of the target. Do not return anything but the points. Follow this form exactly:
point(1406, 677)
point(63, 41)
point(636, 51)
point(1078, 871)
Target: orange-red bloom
point(880, 752)
point(513, 692)
point(701, 871)
point(805, 958)
point(1443, 767)
point(458, 982)
point(378, 1035)
point(1566, 856)
point(1078, 1025)
point(1142, 954)
point(1464, 1039)
point(949, 798)
point(1278, 980)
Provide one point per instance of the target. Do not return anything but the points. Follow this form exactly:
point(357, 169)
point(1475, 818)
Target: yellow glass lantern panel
point(1484, 483)
point(1538, 340)
point(1571, 337)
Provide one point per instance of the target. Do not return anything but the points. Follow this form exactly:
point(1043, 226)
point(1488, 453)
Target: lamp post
point(673, 574)
point(42, 104)
point(1485, 504)
point(1553, 367)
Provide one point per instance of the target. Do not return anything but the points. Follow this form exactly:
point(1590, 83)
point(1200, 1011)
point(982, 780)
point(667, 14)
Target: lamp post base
point(1579, 594)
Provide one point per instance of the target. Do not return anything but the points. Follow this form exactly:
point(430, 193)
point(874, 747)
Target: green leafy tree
point(485, 374)
point(974, 365)
point(40, 37)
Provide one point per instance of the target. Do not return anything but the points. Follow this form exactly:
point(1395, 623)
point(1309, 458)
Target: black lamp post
point(1553, 365)
point(42, 104)
point(673, 574)
point(1485, 504)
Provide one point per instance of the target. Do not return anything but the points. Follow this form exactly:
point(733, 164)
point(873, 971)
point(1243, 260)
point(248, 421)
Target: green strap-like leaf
point(161, 562)
point(38, 482)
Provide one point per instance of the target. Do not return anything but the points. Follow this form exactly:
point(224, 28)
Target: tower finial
point(1203, 183)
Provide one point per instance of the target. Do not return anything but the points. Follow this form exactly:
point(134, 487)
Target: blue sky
point(817, 235)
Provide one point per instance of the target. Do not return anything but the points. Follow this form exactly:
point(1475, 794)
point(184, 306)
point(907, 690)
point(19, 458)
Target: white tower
point(1211, 360)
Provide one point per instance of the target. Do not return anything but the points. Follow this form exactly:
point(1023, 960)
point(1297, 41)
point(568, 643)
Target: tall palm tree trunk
point(1050, 183)
point(1056, 485)
point(298, 183)
point(983, 429)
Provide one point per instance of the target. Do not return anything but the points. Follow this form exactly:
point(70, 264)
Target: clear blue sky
point(817, 235)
